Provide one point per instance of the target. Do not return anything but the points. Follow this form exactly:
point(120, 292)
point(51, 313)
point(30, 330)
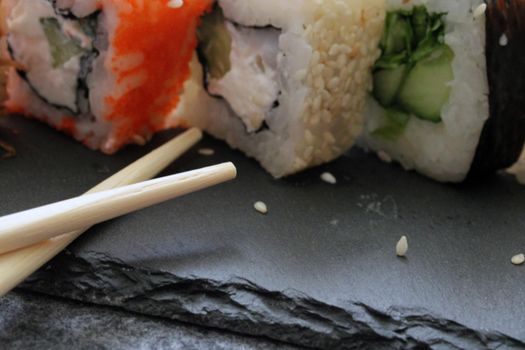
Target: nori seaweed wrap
point(503, 136)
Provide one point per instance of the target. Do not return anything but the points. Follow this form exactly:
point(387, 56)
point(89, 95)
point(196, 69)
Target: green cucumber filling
point(235, 56)
point(215, 43)
point(412, 76)
point(57, 50)
point(62, 46)
point(393, 126)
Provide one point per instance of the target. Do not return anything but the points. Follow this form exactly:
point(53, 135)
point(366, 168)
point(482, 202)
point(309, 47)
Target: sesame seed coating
point(344, 36)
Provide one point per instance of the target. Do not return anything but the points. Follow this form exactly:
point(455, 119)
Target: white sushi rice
point(27, 38)
point(79, 8)
point(325, 52)
point(57, 85)
point(480, 11)
point(446, 150)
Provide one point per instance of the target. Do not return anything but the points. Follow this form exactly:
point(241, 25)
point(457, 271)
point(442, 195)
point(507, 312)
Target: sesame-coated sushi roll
point(449, 88)
point(285, 81)
point(106, 71)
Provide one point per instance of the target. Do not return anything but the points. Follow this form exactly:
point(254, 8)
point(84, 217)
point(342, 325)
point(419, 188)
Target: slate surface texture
point(318, 270)
point(34, 321)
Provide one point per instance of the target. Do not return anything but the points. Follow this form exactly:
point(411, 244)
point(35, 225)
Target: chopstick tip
point(232, 169)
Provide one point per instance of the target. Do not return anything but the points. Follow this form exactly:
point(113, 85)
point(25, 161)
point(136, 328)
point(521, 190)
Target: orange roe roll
point(111, 70)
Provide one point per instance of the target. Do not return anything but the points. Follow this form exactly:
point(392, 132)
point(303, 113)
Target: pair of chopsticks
point(31, 238)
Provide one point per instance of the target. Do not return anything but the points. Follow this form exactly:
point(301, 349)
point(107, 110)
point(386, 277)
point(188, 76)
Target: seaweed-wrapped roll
point(285, 81)
point(449, 87)
point(106, 71)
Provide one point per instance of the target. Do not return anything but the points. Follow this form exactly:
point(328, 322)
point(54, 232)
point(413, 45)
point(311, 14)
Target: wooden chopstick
point(35, 225)
point(16, 266)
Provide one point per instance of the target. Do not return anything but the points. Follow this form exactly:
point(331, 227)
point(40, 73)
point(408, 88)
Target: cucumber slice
point(398, 34)
point(426, 90)
point(63, 48)
point(215, 43)
point(394, 125)
point(420, 21)
point(387, 83)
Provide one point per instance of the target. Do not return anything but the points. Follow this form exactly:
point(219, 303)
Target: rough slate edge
point(244, 307)
point(34, 321)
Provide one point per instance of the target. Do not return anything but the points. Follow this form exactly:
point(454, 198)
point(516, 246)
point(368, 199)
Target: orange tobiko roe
point(166, 38)
point(67, 125)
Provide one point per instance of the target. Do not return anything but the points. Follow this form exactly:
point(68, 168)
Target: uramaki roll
point(106, 71)
point(285, 81)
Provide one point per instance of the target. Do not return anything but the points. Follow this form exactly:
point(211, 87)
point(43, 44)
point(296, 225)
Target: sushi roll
point(4, 60)
point(6, 150)
point(448, 92)
point(106, 71)
point(284, 81)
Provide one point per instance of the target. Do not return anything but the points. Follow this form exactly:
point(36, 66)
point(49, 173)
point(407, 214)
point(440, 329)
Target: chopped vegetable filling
point(412, 76)
point(215, 43)
point(62, 47)
point(241, 67)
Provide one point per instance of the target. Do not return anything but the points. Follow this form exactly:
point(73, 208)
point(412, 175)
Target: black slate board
point(34, 321)
point(318, 270)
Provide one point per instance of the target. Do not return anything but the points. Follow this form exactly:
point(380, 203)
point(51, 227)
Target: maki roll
point(4, 60)
point(106, 71)
point(448, 92)
point(284, 81)
point(6, 150)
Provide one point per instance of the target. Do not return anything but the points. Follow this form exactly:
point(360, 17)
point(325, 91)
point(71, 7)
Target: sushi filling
point(412, 77)
point(241, 67)
point(59, 49)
